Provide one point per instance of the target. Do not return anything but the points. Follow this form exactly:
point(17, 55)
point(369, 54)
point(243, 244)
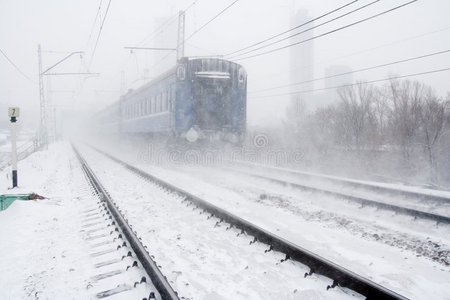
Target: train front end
point(211, 100)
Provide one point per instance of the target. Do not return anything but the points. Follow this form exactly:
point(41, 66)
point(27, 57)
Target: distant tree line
point(403, 117)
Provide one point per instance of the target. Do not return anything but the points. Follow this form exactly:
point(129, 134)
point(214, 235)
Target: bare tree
point(381, 114)
point(321, 127)
point(405, 113)
point(434, 120)
point(296, 113)
point(355, 119)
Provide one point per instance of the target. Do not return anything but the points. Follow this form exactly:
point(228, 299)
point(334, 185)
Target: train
point(199, 99)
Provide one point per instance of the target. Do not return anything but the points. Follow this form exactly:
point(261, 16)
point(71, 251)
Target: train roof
point(151, 82)
point(170, 72)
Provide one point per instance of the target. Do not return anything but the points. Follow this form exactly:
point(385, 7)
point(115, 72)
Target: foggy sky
point(65, 26)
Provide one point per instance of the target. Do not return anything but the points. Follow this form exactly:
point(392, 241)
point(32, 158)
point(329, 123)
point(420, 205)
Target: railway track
point(339, 276)
point(358, 188)
point(128, 240)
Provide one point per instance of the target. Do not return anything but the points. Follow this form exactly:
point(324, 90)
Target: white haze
point(65, 26)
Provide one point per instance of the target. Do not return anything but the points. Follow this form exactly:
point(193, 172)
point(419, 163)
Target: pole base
point(14, 178)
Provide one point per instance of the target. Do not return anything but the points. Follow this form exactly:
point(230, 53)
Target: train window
point(181, 72)
point(153, 104)
point(164, 108)
point(168, 99)
point(158, 103)
point(205, 65)
point(172, 97)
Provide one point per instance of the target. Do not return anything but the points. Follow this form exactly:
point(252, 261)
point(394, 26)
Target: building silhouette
point(301, 66)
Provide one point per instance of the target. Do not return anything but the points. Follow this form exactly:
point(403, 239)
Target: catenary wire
point(17, 68)
point(163, 26)
point(367, 50)
point(328, 32)
point(195, 32)
point(99, 33)
point(353, 84)
point(212, 19)
point(95, 22)
point(292, 29)
point(356, 71)
point(306, 30)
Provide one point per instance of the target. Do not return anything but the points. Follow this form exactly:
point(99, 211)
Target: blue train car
point(198, 99)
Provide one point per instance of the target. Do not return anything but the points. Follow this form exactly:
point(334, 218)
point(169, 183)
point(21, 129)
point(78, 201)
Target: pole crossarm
point(149, 48)
point(88, 73)
point(76, 52)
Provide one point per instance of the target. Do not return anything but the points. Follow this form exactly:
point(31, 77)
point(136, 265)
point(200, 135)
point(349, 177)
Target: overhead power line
point(95, 21)
point(198, 30)
point(352, 72)
point(99, 33)
point(160, 29)
point(17, 68)
point(353, 84)
point(292, 29)
point(163, 26)
point(329, 32)
point(306, 30)
point(207, 23)
point(148, 48)
point(410, 38)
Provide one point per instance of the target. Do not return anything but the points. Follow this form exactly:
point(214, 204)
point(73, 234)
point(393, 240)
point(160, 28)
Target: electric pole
point(43, 106)
point(43, 129)
point(180, 41)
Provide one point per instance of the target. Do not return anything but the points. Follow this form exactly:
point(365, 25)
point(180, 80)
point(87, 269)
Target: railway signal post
point(13, 113)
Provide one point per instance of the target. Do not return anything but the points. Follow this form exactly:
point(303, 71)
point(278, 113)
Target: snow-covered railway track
point(355, 191)
point(125, 233)
point(411, 193)
point(316, 265)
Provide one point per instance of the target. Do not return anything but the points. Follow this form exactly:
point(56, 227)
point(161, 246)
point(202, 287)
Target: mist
point(106, 68)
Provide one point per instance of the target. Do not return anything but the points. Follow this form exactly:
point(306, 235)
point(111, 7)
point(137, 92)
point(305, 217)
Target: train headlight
point(192, 135)
point(242, 78)
point(233, 138)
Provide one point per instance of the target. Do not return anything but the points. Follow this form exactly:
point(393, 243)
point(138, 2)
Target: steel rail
point(317, 264)
point(157, 278)
point(373, 187)
point(363, 201)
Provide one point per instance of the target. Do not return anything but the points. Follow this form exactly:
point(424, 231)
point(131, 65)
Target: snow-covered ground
point(48, 247)
point(52, 250)
point(362, 190)
point(201, 260)
point(408, 256)
point(400, 187)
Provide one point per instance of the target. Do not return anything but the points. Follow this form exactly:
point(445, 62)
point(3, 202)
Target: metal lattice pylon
point(180, 42)
point(43, 106)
